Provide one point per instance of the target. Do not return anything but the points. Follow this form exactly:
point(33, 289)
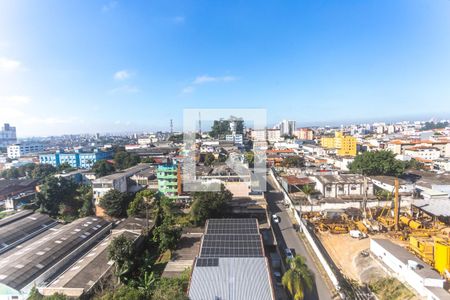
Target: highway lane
point(288, 238)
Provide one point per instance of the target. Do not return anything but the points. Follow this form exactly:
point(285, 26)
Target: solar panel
point(207, 262)
point(231, 238)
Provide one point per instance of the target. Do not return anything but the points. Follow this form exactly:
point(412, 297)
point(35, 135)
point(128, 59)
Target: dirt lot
point(343, 249)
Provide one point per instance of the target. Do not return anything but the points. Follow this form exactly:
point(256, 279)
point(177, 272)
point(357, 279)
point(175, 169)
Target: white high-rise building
point(287, 127)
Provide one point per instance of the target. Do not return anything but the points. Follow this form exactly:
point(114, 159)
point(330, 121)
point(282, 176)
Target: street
point(287, 237)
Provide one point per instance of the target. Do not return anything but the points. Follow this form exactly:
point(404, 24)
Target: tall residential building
point(273, 135)
point(346, 145)
point(287, 127)
point(18, 150)
point(7, 135)
point(168, 180)
point(77, 159)
point(304, 134)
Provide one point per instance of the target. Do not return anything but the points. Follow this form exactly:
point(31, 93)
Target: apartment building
point(345, 145)
point(18, 150)
point(7, 135)
point(76, 159)
point(304, 134)
point(423, 152)
point(274, 135)
point(168, 180)
point(259, 135)
point(287, 127)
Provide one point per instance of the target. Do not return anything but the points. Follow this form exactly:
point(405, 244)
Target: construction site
point(352, 238)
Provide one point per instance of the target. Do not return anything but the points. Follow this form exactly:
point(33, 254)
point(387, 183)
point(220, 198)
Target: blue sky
point(98, 66)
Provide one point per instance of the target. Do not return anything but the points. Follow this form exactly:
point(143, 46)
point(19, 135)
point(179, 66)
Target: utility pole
point(396, 205)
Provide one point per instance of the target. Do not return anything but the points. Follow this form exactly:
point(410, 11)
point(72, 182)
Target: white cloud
point(206, 79)
point(110, 6)
point(15, 100)
point(122, 75)
point(128, 89)
point(9, 65)
point(188, 90)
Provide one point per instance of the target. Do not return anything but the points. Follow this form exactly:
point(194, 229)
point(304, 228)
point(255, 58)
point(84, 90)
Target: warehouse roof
point(14, 217)
point(435, 207)
point(24, 266)
point(340, 179)
point(87, 270)
point(23, 229)
point(231, 264)
point(231, 278)
point(404, 255)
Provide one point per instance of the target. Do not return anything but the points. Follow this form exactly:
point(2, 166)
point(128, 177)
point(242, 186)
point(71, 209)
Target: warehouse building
point(231, 264)
point(37, 263)
point(19, 228)
point(409, 269)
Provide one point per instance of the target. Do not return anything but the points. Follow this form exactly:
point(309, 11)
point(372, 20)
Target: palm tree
point(307, 190)
point(298, 278)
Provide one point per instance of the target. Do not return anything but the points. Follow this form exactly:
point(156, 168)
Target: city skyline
point(116, 66)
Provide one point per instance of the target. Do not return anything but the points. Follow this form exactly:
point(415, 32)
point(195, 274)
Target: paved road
point(288, 238)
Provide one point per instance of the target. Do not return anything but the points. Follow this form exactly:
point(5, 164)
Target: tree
point(102, 168)
point(209, 159)
point(415, 165)
point(141, 203)
point(166, 235)
point(43, 170)
point(124, 292)
point(85, 196)
point(298, 278)
point(293, 162)
point(172, 288)
point(207, 205)
point(308, 190)
point(57, 194)
point(121, 251)
point(220, 128)
point(250, 158)
point(114, 203)
point(125, 160)
point(65, 167)
point(377, 163)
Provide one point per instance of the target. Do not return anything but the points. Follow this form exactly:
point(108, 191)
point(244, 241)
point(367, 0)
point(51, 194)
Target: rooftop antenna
point(171, 126)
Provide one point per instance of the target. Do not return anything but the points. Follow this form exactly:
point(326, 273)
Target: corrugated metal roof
point(233, 279)
point(436, 207)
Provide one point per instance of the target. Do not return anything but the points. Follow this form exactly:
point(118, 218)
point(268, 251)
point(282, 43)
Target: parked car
point(277, 276)
point(276, 218)
point(288, 253)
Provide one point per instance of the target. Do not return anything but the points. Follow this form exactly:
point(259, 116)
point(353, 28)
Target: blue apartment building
point(77, 159)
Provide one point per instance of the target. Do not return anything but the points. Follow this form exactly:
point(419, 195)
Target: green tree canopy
point(140, 203)
point(207, 205)
point(209, 159)
point(293, 162)
point(114, 203)
point(121, 251)
point(298, 278)
point(377, 163)
point(57, 196)
point(102, 168)
point(125, 160)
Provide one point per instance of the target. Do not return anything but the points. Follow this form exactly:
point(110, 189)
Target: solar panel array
point(231, 238)
point(207, 262)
